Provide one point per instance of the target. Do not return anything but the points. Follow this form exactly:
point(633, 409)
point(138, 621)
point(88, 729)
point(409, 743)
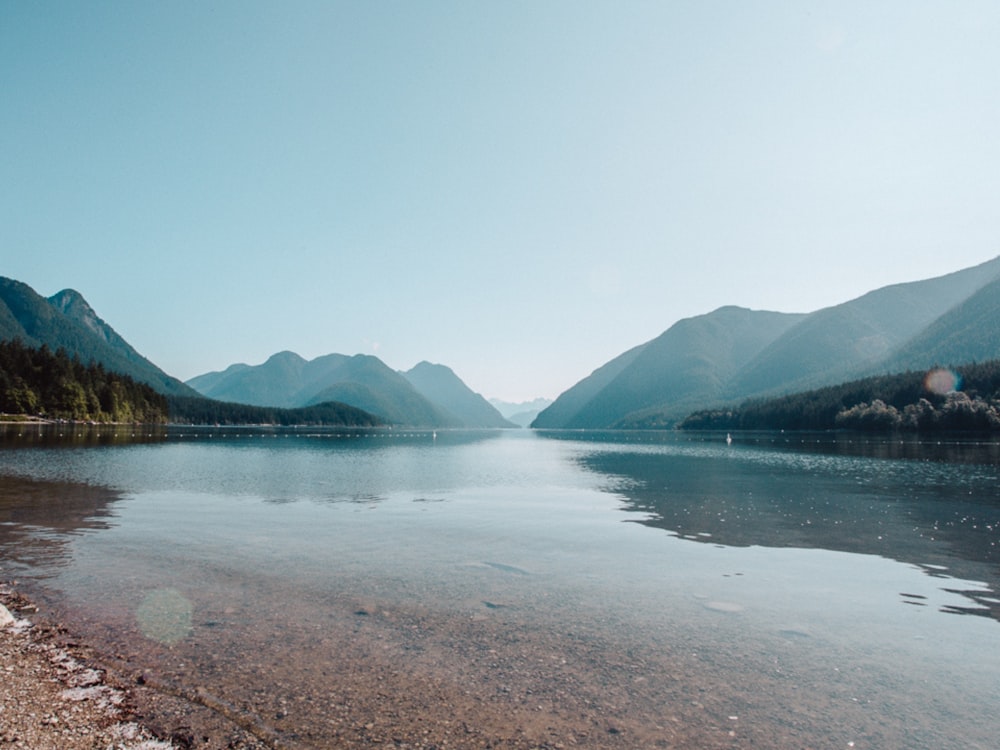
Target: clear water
point(518, 589)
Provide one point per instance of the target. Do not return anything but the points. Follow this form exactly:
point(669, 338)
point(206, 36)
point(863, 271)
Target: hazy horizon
point(518, 191)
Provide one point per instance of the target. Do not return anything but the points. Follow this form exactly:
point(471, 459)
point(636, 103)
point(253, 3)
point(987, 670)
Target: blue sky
point(519, 190)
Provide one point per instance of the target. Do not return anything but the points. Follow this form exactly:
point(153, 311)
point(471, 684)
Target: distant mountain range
point(521, 413)
point(716, 359)
point(66, 321)
point(733, 353)
point(428, 395)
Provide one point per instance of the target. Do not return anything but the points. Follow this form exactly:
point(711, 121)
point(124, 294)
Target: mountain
point(688, 364)
point(368, 383)
point(522, 413)
point(969, 332)
point(66, 321)
point(732, 354)
point(210, 380)
point(571, 401)
point(428, 396)
point(441, 386)
point(857, 337)
point(272, 383)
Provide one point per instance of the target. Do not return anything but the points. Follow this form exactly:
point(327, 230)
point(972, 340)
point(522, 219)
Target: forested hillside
point(65, 321)
point(196, 410)
point(967, 399)
point(57, 386)
point(731, 355)
point(54, 385)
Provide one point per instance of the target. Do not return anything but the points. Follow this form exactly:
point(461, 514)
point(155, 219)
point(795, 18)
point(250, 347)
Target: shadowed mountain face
point(858, 337)
point(733, 354)
point(968, 332)
point(429, 395)
point(685, 366)
point(441, 386)
point(564, 409)
point(66, 321)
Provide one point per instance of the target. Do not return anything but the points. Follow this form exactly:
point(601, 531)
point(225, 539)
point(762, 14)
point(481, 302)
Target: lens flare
point(165, 616)
point(942, 381)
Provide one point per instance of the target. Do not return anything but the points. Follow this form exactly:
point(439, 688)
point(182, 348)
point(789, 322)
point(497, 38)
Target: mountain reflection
point(929, 510)
point(39, 518)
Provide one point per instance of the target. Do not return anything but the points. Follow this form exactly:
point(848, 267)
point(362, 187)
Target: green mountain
point(732, 354)
point(208, 381)
point(969, 332)
point(368, 383)
point(434, 398)
point(857, 337)
point(441, 386)
point(687, 365)
point(66, 321)
point(272, 383)
point(570, 402)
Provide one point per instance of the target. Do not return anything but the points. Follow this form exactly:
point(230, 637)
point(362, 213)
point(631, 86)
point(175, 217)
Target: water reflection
point(319, 583)
point(933, 505)
point(74, 435)
point(38, 519)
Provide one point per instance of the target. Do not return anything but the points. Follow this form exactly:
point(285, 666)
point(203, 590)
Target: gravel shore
point(51, 699)
point(55, 695)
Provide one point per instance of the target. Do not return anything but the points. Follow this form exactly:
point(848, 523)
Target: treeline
point(194, 410)
point(905, 401)
point(55, 385)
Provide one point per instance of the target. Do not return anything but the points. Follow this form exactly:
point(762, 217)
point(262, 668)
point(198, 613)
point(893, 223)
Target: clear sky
point(518, 190)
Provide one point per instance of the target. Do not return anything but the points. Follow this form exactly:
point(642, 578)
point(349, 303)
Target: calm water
point(519, 589)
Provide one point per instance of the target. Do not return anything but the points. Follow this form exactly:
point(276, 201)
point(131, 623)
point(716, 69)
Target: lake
point(321, 589)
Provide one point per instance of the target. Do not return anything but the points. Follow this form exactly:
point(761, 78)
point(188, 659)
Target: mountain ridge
point(440, 385)
point(428, 395)
point(66, 321)
point(695, 364)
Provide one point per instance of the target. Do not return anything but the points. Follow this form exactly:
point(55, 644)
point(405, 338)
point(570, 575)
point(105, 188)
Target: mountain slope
point(66, 321)
point(287, 380)
point(570, 402)
point(968, 332)
point(522, 413)
point(730, 355)
point(441, 386)
point(366, 382)
point(269, 384)
point(210, 380)
point(686, 365)
point(856, 337)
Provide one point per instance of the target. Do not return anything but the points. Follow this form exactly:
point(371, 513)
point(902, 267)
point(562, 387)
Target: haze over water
point(525, 589)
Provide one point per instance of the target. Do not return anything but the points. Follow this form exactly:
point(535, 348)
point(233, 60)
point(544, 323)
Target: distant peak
point(285, 355)
point(425, 365)
point(68, 298)
point(72, 304)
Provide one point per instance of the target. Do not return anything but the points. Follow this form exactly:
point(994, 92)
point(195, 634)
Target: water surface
point(511, 588)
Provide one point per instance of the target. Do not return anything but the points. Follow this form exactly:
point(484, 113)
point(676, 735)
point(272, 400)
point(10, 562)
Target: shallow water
point(523, 589)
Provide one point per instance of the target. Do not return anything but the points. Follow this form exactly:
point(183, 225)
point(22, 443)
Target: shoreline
point(57, 694)
point(53, 695)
